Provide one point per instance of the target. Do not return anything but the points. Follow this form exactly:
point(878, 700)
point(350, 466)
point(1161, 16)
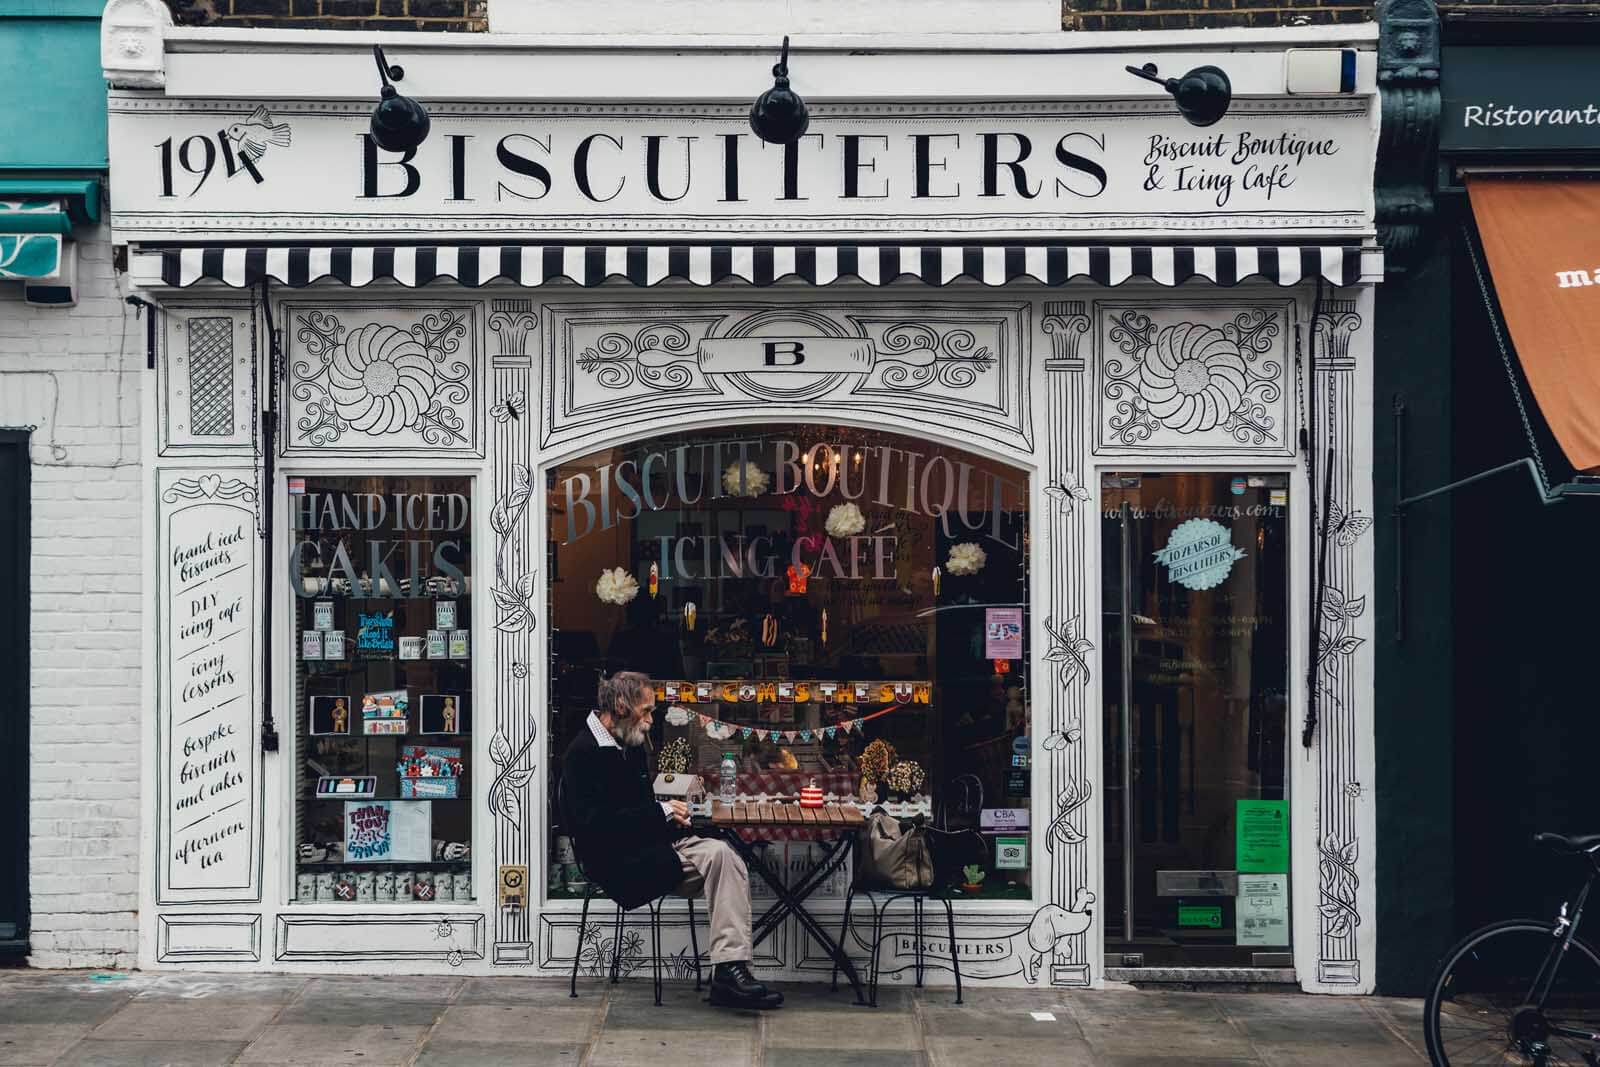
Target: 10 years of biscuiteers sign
point(1096, 170)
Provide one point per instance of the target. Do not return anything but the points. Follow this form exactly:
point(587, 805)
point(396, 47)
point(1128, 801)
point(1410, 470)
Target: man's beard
point(629, 733)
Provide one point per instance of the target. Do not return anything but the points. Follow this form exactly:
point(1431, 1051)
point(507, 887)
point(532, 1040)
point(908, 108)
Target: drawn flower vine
point(1337, 885)
point(507, 512)
point(1339, 615)
point(513, 603)
point(1062, 829)
point(1069, 650)
point(509, 776)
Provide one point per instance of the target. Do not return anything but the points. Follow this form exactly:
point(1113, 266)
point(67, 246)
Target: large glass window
point(839, 605)
point(381, 571)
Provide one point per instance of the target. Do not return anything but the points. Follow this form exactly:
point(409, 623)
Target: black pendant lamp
point(1203, 94)
point(779, 115)
point(399, 123)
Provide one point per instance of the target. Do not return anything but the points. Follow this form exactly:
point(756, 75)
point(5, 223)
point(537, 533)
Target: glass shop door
point(1196, 596)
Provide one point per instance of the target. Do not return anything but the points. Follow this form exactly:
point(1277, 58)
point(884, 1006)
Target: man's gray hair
point(620, 692)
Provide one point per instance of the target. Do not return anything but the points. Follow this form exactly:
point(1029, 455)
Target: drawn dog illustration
point(1050, 925)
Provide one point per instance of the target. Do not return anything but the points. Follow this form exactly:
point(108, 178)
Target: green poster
point(1261, 830)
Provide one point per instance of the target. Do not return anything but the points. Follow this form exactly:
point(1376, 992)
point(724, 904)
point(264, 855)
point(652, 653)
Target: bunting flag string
point(719, 729)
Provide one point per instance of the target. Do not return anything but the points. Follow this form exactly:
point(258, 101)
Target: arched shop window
point(805, 597)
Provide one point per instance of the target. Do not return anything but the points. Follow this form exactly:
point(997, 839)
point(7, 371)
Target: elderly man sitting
point(638, 848)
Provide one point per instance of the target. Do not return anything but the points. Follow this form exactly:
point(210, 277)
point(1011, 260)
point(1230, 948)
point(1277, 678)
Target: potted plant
point(974, 876)
point(875, 761)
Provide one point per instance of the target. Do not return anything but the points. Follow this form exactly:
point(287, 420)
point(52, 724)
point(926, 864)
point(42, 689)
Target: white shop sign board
point(209, 838)
point(1088, 171)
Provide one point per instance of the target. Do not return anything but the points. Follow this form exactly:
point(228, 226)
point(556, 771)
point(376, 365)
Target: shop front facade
point(963, 457)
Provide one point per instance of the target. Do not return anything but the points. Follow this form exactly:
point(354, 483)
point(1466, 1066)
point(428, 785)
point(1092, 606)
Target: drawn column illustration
point(1343, 736)
point(513, 746)
point(1062, 539)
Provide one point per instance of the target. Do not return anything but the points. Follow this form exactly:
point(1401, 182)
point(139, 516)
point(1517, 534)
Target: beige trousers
point(712, 869)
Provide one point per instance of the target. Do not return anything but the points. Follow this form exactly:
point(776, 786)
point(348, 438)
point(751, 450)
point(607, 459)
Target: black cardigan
point(622, 837)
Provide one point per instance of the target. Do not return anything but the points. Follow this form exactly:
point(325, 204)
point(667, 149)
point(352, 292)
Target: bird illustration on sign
point(255, 134)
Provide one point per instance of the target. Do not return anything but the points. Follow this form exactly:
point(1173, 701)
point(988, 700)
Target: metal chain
point(255, 414)
point(1300, 386)
point(1505, 355)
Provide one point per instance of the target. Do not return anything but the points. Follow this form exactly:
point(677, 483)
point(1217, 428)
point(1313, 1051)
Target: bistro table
point(841, 822)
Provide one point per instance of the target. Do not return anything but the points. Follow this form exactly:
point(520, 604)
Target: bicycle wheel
point(1480, 1007)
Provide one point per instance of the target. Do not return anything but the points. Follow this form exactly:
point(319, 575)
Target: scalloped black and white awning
point(709, 264)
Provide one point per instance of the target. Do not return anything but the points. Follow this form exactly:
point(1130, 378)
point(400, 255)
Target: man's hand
point(678, 812)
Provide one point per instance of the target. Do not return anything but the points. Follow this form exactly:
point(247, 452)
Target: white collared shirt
point(603, 738)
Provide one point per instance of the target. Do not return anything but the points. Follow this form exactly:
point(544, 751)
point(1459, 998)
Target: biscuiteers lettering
point(736, 167)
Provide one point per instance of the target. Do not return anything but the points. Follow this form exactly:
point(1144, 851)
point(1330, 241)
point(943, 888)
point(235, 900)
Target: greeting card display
point(329, 715)
point(353, 786)
point(384, 713)
point(441, 713)
point(388, 831)
point(428, 773)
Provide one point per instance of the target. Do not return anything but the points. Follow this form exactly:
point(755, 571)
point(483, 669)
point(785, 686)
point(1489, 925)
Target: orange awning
point(1543, 244)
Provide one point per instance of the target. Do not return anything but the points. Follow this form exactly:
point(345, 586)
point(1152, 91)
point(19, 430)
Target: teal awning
point(36, 216)
point(52, 86)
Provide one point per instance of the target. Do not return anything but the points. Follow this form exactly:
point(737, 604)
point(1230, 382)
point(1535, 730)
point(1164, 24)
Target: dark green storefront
point(1486, 727)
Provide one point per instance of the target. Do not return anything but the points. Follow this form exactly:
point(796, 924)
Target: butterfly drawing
point(257, 132)
point(1344, 526)
point(511, 407)
point(1065, 495)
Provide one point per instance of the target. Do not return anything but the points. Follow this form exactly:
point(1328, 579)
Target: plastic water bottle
point(727, 779)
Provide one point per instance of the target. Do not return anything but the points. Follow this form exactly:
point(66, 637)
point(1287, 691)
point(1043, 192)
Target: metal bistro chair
point(879, 898)
point(590, 887)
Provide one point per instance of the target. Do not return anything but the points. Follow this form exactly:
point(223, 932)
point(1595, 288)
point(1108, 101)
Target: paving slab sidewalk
point(197, 1020)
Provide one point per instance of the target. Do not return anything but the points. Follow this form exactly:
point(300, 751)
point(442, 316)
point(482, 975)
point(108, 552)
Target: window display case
point(837, 608)
point(381, 576)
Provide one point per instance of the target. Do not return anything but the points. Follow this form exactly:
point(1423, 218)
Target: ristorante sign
point(1288, 166)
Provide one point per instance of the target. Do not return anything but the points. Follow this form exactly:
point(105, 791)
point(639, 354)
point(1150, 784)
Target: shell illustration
point(382, 379)
point(1193, 377)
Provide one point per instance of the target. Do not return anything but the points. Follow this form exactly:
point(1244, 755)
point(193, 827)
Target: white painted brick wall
point(76, 373)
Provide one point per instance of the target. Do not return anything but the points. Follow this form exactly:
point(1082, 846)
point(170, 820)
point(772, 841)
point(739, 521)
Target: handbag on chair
point(895, 855)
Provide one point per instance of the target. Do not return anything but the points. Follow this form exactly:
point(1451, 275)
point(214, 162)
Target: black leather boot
point(733, 986)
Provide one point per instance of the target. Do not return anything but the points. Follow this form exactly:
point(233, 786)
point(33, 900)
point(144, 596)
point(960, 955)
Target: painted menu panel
point(208, 784)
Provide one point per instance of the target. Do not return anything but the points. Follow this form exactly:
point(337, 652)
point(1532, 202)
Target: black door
point(14, 498)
